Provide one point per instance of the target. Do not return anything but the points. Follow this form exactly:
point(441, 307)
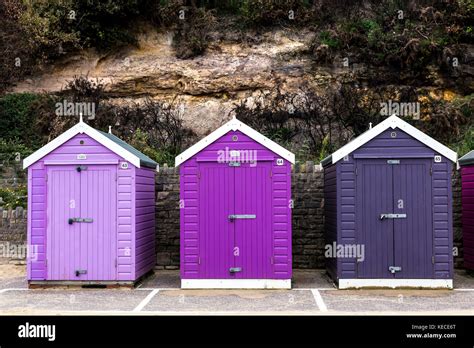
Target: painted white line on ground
point(145, 301)
point(319, 300)
point(311, 289)
point(150, 289)
point(12, 289)
point(463, 289)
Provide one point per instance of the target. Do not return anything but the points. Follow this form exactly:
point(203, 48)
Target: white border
point(234, 125)
point(396, 283)
point(393, 122)
point(81, 128)
point(235, 283)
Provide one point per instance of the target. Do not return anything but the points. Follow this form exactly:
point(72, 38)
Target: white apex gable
point(394, 122)
point(234, 125)
point(81, 128)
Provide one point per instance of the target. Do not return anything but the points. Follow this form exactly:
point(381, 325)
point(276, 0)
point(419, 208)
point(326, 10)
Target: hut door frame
point(70, 256)
point(229, 236)
point(392, 238)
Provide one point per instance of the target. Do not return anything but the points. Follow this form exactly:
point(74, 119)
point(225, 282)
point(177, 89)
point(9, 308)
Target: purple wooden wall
point(134, 208)
point(144, 220)
point(467, 173)
point(384, 146)
point(195, 214)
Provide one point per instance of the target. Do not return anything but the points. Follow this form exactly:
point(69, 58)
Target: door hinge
point(116, 176)
point(433, 260)
point(199, 175)
point(431, 170)
point(116, 263)
point(46, 263)
point(356, 171)
point(199, 260)
point(272, 261)
point(46, 177)
point(271, 173)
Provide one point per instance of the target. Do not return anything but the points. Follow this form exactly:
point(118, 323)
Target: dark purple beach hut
point(235, 211)
point(467, 173)
point(91, 210)
point(388, 209)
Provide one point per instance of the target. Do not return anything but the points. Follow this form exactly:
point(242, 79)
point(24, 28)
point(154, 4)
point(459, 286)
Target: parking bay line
point(319, 300)
point(145, 301)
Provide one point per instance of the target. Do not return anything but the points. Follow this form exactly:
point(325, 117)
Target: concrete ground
point(313, 293)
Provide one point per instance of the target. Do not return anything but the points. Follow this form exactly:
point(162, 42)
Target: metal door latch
point(234, 164)
point(80, 271)
point(393, 216)
point(235, 269)
point(72, 220)
point(233, 217)
point(394, 269)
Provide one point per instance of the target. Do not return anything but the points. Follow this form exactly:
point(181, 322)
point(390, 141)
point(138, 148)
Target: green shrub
point(13, 151)
point(17, 119)
point(140, 140)
point(191, 36)
point(271, 12)
point(49, 27)
point(14, 197)
point(329, 39)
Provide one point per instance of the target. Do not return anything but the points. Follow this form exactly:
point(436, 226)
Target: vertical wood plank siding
point(194, 214)
point(385, 146)
point(37, 207)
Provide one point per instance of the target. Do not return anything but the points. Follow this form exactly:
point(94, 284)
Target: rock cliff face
point(209, 86)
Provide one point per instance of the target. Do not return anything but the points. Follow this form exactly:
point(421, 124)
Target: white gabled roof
point(234, 125)
point(391, 122)
point(81, 128)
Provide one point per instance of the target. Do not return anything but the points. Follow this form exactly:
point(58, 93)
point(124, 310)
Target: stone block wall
point(308, 216)
point(167, 218)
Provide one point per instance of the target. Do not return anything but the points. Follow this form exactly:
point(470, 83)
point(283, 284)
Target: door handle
point(233, 217)
point(393, 216)
point(72, 220)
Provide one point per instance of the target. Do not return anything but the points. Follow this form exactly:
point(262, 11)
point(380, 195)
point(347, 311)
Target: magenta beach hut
point(91, 210)
point(388, 209)
point(467, 176)
point(235, 211)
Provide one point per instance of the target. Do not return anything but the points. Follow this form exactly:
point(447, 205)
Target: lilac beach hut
point(388, 194)
point(235, 211)
point(91, 210)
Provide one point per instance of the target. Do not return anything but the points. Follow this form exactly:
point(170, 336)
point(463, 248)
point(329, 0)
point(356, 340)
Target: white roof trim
point(234, 125)
point(81, 128)
point(394, 122)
